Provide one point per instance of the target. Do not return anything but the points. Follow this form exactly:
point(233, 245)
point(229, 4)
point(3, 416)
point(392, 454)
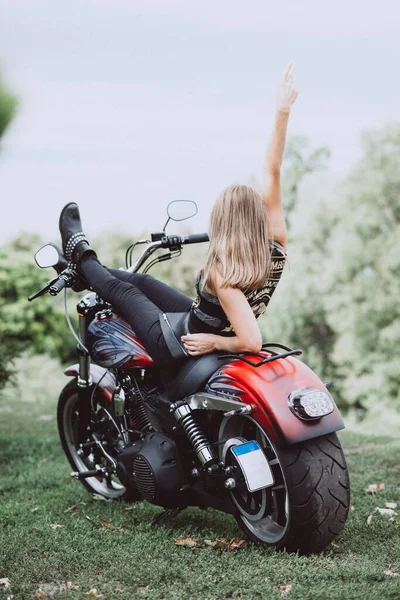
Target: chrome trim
point(84, 383)
point(206, 401)
point(230, 483)
point(247, 409)
point(82, 328)
point(181, 411)
point(205, 455)
point(84, 377)
point(143, 256)
point(101, 447)
point(119, 401)
point(194, 433)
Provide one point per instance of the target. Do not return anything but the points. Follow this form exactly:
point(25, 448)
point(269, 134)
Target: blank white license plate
point(254, 465)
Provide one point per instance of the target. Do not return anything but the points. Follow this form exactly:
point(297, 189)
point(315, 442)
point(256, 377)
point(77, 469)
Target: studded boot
point(74, 241)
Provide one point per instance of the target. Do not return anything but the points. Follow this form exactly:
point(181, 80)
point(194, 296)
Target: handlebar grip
point(195, 238)
point(57, 286)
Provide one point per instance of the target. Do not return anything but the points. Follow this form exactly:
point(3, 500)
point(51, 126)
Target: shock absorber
point(183, 414)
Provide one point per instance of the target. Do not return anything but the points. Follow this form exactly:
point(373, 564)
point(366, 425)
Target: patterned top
point(207, 315)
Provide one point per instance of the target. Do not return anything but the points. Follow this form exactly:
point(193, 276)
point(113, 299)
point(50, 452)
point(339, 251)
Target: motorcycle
point(252, 435)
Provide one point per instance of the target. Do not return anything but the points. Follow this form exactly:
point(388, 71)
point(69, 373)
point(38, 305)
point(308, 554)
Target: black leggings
point(139, 298)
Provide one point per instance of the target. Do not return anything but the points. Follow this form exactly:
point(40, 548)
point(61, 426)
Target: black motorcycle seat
point(193, 374)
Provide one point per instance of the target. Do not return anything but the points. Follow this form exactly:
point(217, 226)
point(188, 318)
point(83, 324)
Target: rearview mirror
point(47, 256)
point(180, 210)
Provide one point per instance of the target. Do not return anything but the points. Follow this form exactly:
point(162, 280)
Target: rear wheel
point(308, 504)
point(102, 428)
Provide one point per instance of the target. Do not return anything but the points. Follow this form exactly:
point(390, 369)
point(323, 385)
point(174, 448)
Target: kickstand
point(167, 513)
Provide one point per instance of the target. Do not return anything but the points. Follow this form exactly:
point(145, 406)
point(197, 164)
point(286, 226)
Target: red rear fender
point(104, 380)
point(267, 389)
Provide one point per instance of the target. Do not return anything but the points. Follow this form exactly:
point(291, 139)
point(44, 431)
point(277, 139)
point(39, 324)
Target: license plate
point(254, 465)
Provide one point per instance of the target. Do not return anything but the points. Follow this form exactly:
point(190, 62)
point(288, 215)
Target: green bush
point(8, 105)
point(38, 326)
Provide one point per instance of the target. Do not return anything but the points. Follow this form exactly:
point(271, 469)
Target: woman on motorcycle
point(243, 267)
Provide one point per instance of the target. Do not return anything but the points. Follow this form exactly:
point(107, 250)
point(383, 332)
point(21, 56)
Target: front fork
point(86, 309)
point(84, 382)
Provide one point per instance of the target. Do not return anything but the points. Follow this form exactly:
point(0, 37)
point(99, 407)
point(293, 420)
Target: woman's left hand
point(199, 343)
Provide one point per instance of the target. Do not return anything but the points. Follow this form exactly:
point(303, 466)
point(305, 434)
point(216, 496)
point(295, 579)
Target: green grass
point(144, 562)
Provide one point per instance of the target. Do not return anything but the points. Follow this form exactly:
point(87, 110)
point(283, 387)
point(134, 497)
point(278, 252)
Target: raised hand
point(287, 91)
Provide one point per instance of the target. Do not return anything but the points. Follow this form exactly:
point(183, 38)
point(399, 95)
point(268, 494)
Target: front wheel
point(308, 504)
point(102, 427)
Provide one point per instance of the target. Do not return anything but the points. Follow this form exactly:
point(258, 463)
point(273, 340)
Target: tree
point(298, 314)
point(299, 162)
point(339, 300)
point(365, 284)
point(8, 105)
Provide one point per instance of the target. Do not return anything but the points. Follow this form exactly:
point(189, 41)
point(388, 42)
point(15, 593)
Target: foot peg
point(95, 473)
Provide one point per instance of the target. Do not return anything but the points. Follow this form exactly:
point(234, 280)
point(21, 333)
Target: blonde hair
point(239, 232)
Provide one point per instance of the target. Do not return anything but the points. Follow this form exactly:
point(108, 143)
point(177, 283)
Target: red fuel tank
point(112, 343)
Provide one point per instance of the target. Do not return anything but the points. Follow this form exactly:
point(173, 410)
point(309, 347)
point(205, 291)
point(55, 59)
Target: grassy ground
point(49, 551)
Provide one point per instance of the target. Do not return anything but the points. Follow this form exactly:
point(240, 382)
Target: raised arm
point(287, 94)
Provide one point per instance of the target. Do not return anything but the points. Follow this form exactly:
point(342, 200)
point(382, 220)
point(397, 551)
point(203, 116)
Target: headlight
point(309, 403)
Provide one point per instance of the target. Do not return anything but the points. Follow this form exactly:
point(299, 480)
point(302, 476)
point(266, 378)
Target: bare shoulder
point(229, 296)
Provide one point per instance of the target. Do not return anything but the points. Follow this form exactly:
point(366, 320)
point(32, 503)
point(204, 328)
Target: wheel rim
point(265, 513)
point(107, 487)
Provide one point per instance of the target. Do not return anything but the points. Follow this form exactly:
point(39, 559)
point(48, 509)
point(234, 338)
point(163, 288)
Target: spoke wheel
point(68, 424)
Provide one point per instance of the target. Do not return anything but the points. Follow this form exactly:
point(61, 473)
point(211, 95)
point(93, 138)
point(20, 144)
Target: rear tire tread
point(343, 467)
point(314, 490)
point(303, 478)
point(325, 490)
point(338, 499)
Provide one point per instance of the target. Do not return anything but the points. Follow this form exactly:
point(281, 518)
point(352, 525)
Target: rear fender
point(102, 378)
point(267, 390)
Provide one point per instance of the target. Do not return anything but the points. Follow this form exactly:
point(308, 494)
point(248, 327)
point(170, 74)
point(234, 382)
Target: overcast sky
point(126, 104)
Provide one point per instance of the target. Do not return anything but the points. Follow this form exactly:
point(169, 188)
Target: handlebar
point(57, 286)
point(195, 238)
point(54, 287)
point(171, 242)
point(176, 241)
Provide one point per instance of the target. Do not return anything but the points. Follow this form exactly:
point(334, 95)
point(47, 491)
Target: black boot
point(74, 242)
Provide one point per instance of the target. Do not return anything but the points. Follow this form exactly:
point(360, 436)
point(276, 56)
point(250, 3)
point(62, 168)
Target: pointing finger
point(288, 71)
